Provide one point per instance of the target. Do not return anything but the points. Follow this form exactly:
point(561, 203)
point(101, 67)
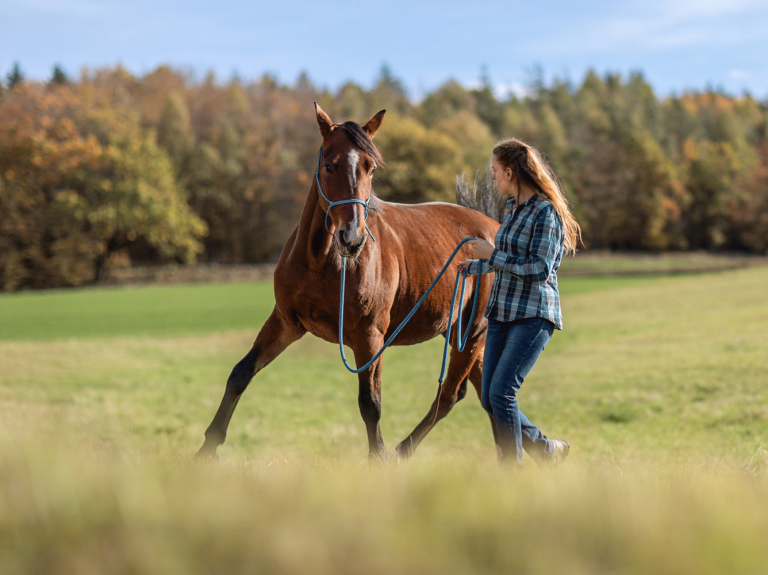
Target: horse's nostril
point(350, 242)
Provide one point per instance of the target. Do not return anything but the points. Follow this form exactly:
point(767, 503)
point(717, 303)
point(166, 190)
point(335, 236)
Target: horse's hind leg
point(453, 389)
point(276, 334)
point(476, 377)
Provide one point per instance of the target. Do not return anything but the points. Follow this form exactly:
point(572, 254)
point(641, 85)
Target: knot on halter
point(339, 203)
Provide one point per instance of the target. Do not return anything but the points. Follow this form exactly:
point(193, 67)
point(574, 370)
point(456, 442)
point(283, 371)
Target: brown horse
point(385, 278)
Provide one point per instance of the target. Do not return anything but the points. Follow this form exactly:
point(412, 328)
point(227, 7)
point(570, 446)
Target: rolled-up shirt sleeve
point(547, 236)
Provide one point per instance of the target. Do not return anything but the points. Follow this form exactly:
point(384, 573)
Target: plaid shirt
point(529, 248)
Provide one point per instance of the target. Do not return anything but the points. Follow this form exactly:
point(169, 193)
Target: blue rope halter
point(339, 203)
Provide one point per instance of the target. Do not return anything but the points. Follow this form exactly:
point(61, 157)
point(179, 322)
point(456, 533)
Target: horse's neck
point(313, 240)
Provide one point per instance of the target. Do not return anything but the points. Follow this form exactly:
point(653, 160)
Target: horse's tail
point(483, 196)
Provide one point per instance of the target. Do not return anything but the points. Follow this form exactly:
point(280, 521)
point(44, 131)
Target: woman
point(524, 306)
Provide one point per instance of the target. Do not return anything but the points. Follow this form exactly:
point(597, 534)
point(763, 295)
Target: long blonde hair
point(531, 169)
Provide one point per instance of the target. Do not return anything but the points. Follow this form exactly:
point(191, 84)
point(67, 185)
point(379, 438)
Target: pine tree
point(16, 76)
point(59, 76)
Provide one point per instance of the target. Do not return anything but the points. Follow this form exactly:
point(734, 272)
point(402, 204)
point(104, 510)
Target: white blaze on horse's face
point(355, 229)
point(350, 234)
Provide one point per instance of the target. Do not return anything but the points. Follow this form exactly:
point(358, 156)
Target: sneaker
point(560, 449)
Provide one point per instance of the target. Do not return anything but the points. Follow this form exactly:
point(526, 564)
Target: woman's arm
point(477, 267)
point(547, 237)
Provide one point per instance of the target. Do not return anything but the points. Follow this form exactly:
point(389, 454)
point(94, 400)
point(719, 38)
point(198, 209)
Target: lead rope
point(460, 342)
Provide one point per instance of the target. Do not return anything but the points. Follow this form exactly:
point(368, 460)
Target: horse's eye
point(373, 169)
point(327, 168)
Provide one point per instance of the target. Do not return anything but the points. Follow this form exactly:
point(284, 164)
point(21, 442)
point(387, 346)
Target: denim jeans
point(511, 350)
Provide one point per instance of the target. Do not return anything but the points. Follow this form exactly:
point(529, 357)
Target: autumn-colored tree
point(473, 138)
point(112, 165)
point(747, 210)
point(631, 196)
point(80, 182)
point(251, 167)
point(447, 100)
point(421, 164)
point(150, 94)
point(40, 152)
point(715, 172)
point(174, 131)
point(350, 102)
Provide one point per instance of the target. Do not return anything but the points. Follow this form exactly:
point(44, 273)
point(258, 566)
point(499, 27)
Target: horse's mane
point(359, 138)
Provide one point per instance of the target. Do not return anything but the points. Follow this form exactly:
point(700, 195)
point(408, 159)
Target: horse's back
point(438, 219)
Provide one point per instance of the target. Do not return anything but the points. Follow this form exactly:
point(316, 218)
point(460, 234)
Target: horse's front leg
point(369, 396)
point(276, 334)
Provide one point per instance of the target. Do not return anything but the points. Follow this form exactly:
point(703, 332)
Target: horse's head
point(345, 169)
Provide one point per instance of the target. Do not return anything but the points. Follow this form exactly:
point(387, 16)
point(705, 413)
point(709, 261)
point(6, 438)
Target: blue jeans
point(511, 350)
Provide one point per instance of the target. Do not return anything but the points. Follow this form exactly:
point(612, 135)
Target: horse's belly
point(421, 328)
point(324, 324)
point(415, 338)
point(319, 323)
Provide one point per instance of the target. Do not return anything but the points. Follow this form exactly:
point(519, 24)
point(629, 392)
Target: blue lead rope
point(460, 343)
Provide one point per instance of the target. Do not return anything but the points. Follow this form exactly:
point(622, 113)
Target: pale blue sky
point(678, 44)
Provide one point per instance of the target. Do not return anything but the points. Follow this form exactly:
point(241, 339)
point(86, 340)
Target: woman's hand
point(481, 249)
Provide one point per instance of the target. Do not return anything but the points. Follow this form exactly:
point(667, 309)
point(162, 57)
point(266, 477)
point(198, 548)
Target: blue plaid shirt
point(529, 248)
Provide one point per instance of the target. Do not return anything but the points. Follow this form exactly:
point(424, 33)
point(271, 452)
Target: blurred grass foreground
point(657, 381)
point(65, 514)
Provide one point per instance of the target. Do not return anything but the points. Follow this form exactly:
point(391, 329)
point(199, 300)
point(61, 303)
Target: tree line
point(112, 169)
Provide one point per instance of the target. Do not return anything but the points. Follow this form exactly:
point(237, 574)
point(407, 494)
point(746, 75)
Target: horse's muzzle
point(350, 244)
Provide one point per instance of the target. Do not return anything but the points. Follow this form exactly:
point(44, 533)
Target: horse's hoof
point(402, 452)
point(377, 458)
point(207, 453)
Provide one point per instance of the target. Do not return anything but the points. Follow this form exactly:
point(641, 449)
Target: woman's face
point(503, 177)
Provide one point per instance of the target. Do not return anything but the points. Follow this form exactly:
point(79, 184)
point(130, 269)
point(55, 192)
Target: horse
point(385, 278)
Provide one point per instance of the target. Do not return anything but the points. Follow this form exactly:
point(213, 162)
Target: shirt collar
point(511, 202)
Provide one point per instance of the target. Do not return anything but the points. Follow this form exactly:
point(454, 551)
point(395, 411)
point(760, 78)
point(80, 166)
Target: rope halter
point(339, 203)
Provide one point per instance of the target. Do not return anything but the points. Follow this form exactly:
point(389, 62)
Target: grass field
point(658, 382)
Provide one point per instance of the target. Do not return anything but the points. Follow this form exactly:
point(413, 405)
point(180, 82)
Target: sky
point(678, 45)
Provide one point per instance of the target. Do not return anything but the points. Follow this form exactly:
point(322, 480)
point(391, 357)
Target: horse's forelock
point(359, 138)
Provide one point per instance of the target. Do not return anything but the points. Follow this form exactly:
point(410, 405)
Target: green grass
point(144, 311)
point(167, 310)
point(596, 263)
point(658, 383)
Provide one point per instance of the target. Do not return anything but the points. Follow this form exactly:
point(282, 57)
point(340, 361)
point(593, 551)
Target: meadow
point(657, 381)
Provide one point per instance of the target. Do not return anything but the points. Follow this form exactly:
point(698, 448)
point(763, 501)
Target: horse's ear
point(323, 120)
point(374, 124)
